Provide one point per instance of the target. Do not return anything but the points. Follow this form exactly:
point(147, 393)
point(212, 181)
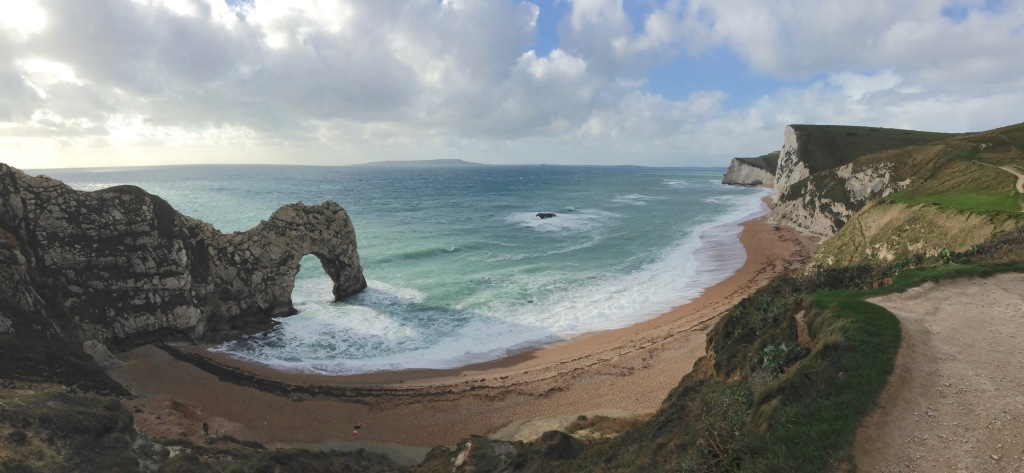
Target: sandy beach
point(624, 371)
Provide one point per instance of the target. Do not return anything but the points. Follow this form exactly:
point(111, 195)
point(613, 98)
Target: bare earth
point(955, 401)
point(626, 371)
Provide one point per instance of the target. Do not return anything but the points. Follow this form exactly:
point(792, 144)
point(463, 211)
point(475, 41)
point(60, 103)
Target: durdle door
point(120, 266)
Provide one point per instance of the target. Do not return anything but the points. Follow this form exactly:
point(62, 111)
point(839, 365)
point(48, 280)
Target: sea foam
point(394, 328)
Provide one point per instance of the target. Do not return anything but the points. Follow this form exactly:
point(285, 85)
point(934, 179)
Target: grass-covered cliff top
point(943, 196)
point(825, 147)
point(974, 172)
point(768, 162)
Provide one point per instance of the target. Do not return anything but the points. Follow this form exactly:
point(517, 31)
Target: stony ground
point(955, 401)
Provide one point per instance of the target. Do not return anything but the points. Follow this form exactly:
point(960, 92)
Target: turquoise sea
point(460, 268)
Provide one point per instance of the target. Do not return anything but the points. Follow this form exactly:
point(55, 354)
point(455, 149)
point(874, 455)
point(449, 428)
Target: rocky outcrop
point(821, 204)
point(758, 171)
point(121, 267)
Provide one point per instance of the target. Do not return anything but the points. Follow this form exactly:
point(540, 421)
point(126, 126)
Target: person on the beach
point(206, 430)
point(355, 429)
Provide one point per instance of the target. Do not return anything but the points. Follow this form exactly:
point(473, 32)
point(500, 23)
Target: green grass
point(769, 162)
point(829, 146)
point(918, 276)
point(970, 202)
point(828, 394)
point(964, 184)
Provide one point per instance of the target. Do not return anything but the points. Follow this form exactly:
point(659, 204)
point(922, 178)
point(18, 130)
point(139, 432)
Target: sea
point(460, 268)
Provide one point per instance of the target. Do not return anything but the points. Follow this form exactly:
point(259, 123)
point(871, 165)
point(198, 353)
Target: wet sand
point(629, 370)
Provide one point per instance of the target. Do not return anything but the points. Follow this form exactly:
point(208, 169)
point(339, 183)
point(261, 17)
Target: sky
point(642, 82)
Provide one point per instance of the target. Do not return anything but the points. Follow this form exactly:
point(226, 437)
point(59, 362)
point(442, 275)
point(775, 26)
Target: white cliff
point(791, 168)
point(752, 171)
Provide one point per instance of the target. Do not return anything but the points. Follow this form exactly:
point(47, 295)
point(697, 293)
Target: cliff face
point(825, 174)
point(821, 204)
point(122, 267)
point(898, 194)
point(758, 171)
point(791, 168)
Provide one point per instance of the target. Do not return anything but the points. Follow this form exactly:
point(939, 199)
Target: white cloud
point(21, 18)
point(334, 81)
point(792, 38)
point(556, 66)
point(858, 86)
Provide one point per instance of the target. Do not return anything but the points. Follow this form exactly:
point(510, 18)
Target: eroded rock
point(120, 266)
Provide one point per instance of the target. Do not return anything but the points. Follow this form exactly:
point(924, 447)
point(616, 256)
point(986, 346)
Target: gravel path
point(955, 401)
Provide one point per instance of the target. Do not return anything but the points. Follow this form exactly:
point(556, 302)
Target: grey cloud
point(461, 71)
point(18, 100)
point(137, 48)
point(451, 67)
point(184, 69)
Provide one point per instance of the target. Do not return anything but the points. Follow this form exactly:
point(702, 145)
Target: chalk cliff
point(790, 168)
point(825, 175)
point(759, 171)
point(821, 204)
point(121, 267)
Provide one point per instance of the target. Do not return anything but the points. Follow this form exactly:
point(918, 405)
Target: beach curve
point(629, 369)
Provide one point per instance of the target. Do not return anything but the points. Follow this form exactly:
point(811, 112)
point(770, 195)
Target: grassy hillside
point(961, 191)
point(967, 172)
point(825, 147)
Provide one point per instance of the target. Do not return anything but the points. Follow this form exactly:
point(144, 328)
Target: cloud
point(859, 86)
point(332, 81)
point(791, 38)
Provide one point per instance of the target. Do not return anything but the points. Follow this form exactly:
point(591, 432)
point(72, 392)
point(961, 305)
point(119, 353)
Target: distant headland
point(423, 162)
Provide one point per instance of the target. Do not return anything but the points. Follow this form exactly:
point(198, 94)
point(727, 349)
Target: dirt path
point(1012, 170)
point(955, 401)
point(1020, 177)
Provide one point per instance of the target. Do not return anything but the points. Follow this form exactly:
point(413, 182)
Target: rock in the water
point(544, 215)
point(121, 267)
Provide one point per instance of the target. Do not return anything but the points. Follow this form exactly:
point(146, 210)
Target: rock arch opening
point(312, 282)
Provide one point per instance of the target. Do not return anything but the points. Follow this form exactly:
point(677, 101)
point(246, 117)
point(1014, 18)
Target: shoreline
point(518, 360)
point(628, 370)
